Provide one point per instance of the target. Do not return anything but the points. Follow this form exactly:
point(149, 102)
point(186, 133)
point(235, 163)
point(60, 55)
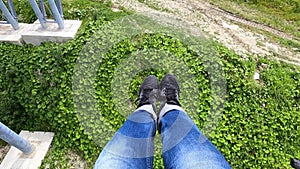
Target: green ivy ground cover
point(259, 127)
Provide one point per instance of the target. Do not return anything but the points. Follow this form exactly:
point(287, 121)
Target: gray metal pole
point(38, 13)
point(8, 16)
point(59, 7)
point(43, 10)
point(14, 139)
point(56, 14)
point(12, 9)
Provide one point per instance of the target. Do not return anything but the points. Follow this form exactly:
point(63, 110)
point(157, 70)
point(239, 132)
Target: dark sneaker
point(295, 163)
point(148, 91)
point(169, 89)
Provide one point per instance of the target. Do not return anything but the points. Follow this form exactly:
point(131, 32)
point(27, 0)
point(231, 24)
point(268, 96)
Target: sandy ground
point(76, 162)
point(221, 25)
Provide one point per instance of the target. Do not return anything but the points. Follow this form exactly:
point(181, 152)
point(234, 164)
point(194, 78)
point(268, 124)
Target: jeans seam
point(149, 140)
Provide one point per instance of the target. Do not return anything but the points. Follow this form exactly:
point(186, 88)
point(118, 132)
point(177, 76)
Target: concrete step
point(8, 34)
point(40, 142)
point(34, 34)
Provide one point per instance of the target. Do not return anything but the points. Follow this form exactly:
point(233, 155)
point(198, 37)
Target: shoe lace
point(144, 96)
point(171, 95)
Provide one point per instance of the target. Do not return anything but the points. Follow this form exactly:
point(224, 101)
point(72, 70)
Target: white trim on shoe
point(149, 109)
point(168, 107)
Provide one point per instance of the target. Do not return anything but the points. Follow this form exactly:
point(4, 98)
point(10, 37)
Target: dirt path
point(238, 19)
point(222, 25)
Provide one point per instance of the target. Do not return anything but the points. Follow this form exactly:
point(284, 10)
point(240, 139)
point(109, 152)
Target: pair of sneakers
point(166, 92)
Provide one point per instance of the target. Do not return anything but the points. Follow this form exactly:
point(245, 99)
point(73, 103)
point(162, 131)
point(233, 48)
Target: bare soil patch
point(223, 26)
point(3, 151)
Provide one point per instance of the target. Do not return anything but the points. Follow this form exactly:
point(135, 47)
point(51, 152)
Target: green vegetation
point(154, 5)
point(259, 127)
point(280, 14)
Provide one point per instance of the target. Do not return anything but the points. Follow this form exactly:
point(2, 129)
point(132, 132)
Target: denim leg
point(132, 146)
point(184, 146)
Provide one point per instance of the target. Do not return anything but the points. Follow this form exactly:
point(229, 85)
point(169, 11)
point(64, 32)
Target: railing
point(56, 10)
point(10, 15)
point(39, 10)
point(14, 139)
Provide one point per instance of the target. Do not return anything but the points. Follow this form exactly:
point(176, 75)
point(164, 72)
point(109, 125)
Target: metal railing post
point(8, 16)
point(14, 139)
point(43, 10)
point(12, 9)
point(38, 13)
point(56, 14)
point(59, 7)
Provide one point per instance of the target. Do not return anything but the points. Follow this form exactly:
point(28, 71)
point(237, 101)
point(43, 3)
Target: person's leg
point(184, 146)
point(132, 147)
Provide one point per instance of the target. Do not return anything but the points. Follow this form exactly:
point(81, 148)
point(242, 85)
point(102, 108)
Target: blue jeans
point(184, 146)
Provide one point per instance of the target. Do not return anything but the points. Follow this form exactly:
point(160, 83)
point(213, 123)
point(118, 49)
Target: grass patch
point(292, 44)
point(154, 5)
point(281, 15)
point(2, 143)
